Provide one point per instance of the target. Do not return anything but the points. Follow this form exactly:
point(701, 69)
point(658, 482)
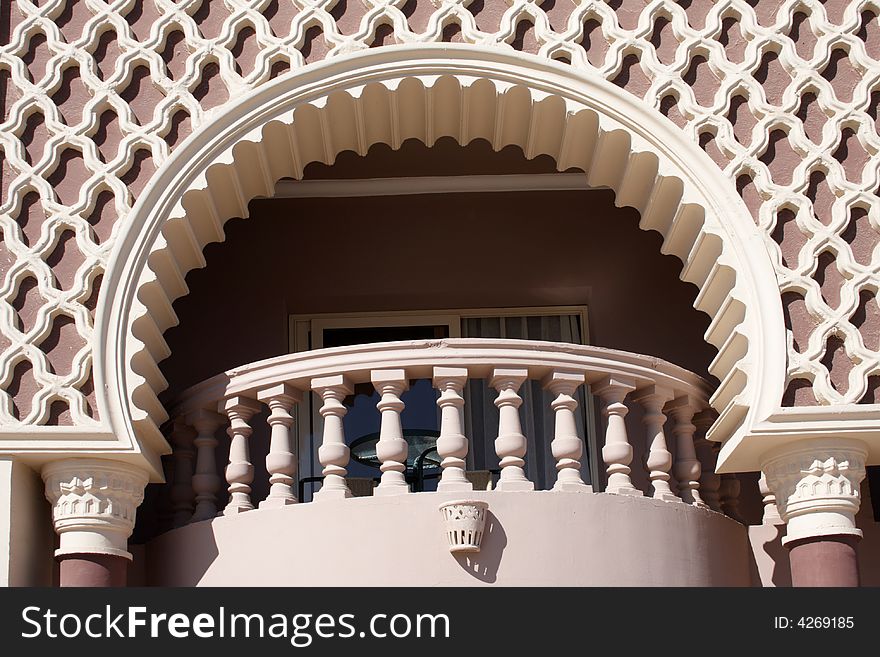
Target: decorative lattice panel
point(783, 96)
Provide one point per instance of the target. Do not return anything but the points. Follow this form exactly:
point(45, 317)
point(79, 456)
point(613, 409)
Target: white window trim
point(301, 325)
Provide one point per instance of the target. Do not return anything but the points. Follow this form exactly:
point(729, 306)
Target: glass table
point(422, 461)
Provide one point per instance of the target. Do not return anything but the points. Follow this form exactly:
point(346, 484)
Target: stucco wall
point(532, 539)
point(375, 254)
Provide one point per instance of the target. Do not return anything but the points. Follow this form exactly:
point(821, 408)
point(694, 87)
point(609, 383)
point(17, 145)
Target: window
point(556, 324)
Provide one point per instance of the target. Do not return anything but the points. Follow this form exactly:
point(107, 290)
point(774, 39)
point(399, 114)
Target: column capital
point(816, 483)
point(239, 407)
point(335, 385)
point(284, 393)
point(652, 395)
point(393, 378)
point(450, 375)
point(93, 504)
point(204, 421)
point(612, 388)
point(563, 381)
point(502, 378)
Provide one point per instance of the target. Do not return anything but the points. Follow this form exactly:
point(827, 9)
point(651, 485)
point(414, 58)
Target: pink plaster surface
point(647, 310)
point(400, 541)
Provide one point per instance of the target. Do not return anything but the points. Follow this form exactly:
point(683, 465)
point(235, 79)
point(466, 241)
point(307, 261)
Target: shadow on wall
point(869, 546)
point(781, 575)
point(483, 565)
point(188, 566)
point(768, 558)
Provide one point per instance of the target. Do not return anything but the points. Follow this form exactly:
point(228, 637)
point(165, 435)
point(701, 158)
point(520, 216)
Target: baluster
point(771, 511)
point(730, 488)
point(687, 468)
point(617, 452)
point(567, 446)
point(206, 482)
point(659, 458)
point(281, 460)
point(333, 452)
point(391, 450)
point(240, 471)
point(510, 445)
point(452, 445)
point(710, 481)
point(182, 493)
point(165, 503)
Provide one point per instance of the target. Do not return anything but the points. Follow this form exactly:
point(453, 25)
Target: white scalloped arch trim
point(388, 95)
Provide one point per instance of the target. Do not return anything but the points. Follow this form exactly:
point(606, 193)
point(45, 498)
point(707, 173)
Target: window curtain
point(481, 415)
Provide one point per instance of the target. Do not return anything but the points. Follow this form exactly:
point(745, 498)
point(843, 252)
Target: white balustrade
point(617, 452)
point(452, 445)
point(567, 446)
point(618, 379)
point(687, 468)
point(182, 494)
point(281, 460)
point(510, 445)
point(206, 482)
point(392, 449)
point(333, 452)
point(240, 471)
point(707, 452)
point(659, 458)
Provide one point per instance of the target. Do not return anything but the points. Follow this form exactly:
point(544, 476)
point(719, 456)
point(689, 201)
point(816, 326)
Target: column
point(659, 458)
point(510, 445)
point(686, 468)
point(93, 510)
point(816, 482)
point(206, 482)
point(182, 493)
point(617, 452)
point(567, 446)
point(281, 460)
point(452, 445)
point(240, 471)
point(391, 450)
point(333, 452)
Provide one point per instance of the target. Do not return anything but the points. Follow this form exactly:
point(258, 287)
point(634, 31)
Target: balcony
point(670, 529)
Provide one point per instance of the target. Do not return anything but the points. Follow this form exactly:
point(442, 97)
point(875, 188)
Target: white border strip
point(528, 182)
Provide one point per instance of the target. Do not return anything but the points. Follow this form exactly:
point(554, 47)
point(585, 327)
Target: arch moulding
point(388, 95)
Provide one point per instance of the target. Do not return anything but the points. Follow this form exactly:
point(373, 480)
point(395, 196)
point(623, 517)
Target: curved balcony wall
point(532, 539)
point(672, 531)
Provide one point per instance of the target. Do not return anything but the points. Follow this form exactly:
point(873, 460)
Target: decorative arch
point(388, 95)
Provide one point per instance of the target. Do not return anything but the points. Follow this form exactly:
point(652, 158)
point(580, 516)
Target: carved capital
point(816, 484)
point(93, 504)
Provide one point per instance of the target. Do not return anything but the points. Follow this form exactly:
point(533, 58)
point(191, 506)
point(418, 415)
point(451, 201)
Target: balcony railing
point(617, 379)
